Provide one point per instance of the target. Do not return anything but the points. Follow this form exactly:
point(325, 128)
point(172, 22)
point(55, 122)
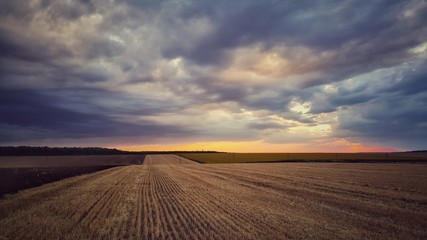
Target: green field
point(300, 157)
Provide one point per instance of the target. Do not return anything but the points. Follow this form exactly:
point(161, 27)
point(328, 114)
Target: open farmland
point(403, 157)
point(68, 161)
point(21, 172)
point(171, 198)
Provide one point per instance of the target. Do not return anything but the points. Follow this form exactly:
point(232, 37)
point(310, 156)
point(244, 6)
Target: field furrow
point(351, 189)
point(169, 197)
point(357, 212)
point(223, 212)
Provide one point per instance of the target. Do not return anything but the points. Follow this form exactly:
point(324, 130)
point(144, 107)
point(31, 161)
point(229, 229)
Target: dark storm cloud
point(352, 99)
point(38, 46)
point(393, 114)
point(21, 46)
point(265, 125)
point(18, 8)
point(58, 9)
point(19, 73)
point(41, 116)
point(100, 48)
point(225, 93)
point(112, 102)
point(271, 103)
point(361, 37)
point(413, 81)
point(87, 69)
point(402, 82)
point(395, 122)
point(372, 27)
point(151, 5)
point(69, 10)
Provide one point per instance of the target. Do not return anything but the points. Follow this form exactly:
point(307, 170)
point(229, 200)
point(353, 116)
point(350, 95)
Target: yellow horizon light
point(260, 146)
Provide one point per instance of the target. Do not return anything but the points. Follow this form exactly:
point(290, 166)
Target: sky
point(244, 75)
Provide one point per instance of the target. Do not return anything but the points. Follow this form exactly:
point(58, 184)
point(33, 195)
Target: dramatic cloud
point(325, 75)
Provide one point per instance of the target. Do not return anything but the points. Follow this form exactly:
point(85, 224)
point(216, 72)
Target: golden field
point(169, 197)
point(289, 157)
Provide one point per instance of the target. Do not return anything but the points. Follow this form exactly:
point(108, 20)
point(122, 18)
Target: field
point(21, 172)
point(68, 161)
point(168, 197)
point(412, 157)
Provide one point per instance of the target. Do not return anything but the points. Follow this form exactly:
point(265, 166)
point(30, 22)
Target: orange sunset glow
point(260, 147)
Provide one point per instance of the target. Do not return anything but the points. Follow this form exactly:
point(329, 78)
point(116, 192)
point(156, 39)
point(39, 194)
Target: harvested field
point(398, 157)
point(68, 161)
point(14, 179)
point(22, 172)
point(169, 198)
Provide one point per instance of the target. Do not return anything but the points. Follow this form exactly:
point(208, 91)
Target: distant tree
point(57, 151)
point(70, 151)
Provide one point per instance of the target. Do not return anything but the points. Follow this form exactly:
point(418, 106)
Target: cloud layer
point(180, 71)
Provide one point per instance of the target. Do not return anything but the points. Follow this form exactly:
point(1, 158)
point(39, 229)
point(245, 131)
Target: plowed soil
point(171, 198)
point(22, 172)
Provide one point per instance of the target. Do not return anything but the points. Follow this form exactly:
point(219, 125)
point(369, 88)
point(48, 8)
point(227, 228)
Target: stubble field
point(397, 157)
point(21, 172)
point(171, 198)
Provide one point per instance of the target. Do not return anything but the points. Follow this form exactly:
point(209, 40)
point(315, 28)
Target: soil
point(168, 197)
point(13, 180)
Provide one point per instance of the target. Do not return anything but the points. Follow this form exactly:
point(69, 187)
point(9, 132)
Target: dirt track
point(169, 198)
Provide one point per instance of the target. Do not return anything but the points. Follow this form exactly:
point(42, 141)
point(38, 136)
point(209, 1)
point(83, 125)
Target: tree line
point(66, 151)
point(57, 151)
